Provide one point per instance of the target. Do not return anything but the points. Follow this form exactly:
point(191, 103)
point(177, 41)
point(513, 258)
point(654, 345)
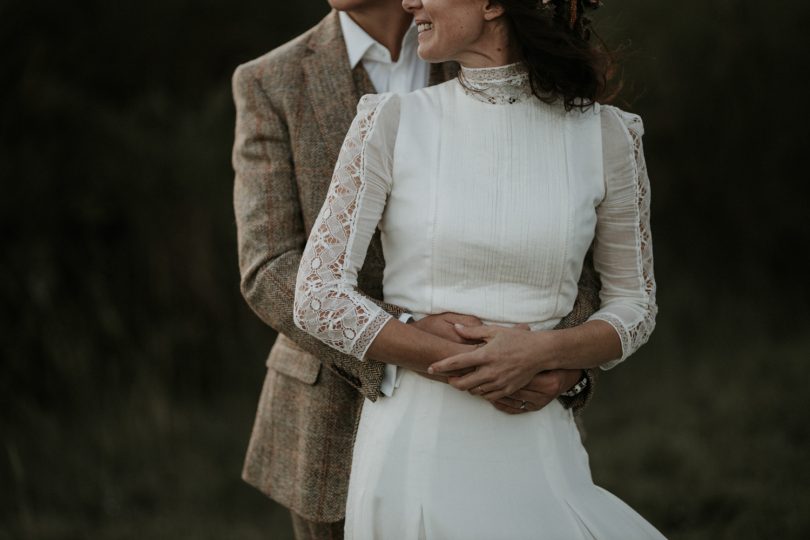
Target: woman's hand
point(504, 364)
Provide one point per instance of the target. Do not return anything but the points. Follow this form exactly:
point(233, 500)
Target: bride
point(488, 191)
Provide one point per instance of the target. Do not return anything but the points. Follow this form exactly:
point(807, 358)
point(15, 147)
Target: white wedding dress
point(488, 200)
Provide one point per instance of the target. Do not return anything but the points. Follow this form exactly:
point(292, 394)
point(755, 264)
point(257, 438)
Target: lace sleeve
point(623, 246)
point(328, 304)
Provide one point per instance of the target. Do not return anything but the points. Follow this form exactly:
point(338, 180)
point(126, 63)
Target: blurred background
point(131, 366)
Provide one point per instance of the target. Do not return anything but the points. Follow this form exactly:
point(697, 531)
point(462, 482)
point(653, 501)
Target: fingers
point(533, 400)
point(475, 333)
point(465, 320)
point(438, 326)
point(474, 382)
point(458, 372)
point(554, 382)
point(522, 326)
point(465, 360)
point(507, 409)
point(524, 405)
point(442, 325)
point(497, 394)
point(437, 378)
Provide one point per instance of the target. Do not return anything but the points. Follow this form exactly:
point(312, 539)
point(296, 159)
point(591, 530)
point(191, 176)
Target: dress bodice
point(488, 200)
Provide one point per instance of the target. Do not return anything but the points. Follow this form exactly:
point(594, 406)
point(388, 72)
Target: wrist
point(550, 347)
point(446, 349)
point(578, 387)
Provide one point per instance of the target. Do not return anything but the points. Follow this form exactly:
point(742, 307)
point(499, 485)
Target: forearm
point(587, 346)
point(269, 291)
point(270, 227)
point(407, 346)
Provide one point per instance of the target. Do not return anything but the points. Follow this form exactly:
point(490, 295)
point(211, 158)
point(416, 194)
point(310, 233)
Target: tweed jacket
point(294, 106)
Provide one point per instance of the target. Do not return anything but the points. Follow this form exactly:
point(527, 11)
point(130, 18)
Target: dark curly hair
point(555, 43)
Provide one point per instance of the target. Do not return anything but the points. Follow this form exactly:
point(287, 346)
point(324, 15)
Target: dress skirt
point(434, 463)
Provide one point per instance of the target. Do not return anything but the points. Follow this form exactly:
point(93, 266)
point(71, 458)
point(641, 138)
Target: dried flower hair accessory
point(573, 7)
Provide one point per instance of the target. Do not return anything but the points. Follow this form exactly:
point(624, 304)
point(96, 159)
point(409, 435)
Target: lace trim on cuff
point(624, 336)
point(369, 333)
point(326, 306)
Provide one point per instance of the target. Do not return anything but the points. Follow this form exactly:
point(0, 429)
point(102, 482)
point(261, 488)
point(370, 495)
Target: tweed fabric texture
point(303, 529)
point(294, 106)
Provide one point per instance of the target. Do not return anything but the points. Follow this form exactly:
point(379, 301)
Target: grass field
point(704, 433)
point(131, 366)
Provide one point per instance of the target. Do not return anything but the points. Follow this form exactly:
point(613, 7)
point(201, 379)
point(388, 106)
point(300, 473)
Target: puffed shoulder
point(616, 119)
point(621, 141)
point(380, 111)
point(370, 103)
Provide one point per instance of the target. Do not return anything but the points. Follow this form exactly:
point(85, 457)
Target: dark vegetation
point(131, 366)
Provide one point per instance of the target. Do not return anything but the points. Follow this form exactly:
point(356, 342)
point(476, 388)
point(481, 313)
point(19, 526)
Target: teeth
point(424, 26)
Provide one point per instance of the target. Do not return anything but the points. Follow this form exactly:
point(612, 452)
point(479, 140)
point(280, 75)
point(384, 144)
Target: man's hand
point(543, 389)
point(443, 325)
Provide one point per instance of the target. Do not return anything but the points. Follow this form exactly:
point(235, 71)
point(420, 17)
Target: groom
point(294, 106)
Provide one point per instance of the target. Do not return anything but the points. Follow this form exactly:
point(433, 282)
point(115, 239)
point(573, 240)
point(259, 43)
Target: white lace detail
point(635, 335)
point(502, 85)
point(326, 304)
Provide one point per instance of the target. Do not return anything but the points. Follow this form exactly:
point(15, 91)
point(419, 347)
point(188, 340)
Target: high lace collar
point(502, 85)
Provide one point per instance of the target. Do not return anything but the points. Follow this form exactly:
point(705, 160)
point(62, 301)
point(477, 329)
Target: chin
point(431, 55)
point(347, 5)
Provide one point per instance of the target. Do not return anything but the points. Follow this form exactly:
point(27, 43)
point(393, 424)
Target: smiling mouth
point(424, 27)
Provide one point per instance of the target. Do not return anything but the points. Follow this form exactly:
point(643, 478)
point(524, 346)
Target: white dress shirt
point(407, 74)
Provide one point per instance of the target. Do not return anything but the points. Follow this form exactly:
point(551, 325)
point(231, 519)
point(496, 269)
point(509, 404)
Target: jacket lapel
point(333, 89)
point(330, 84)
point(362, 82)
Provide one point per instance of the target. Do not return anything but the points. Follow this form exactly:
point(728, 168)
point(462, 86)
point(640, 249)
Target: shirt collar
point(360, 45)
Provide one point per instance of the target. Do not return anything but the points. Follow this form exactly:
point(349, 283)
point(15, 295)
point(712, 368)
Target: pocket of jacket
point(289, 359)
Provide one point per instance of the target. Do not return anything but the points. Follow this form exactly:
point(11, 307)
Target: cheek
point(454, 35)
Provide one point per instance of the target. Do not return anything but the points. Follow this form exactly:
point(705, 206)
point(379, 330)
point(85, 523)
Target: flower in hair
point(573, 7)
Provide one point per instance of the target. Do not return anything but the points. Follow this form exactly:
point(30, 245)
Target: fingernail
point(430, 370)
point(459, 325)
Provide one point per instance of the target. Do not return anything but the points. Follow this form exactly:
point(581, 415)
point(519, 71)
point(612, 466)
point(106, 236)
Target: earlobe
point(493, 10)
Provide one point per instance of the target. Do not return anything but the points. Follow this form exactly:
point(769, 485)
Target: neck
point(495, 47)
point(386, 22)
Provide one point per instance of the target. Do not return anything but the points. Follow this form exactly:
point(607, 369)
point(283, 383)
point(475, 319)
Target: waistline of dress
point(534, 326)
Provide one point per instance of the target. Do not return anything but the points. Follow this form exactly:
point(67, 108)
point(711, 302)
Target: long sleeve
point(623, 245)
point(270, 230)
point(328, 304)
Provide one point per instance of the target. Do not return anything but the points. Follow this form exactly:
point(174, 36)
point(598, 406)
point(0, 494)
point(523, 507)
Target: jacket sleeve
point(270, 228)
point(586, 304)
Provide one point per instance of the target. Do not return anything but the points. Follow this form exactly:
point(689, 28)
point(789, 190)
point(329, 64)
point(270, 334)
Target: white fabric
point(433, 463)
point(408, 73)
point(478, 226)
point(486, 208)
point(393, 375)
